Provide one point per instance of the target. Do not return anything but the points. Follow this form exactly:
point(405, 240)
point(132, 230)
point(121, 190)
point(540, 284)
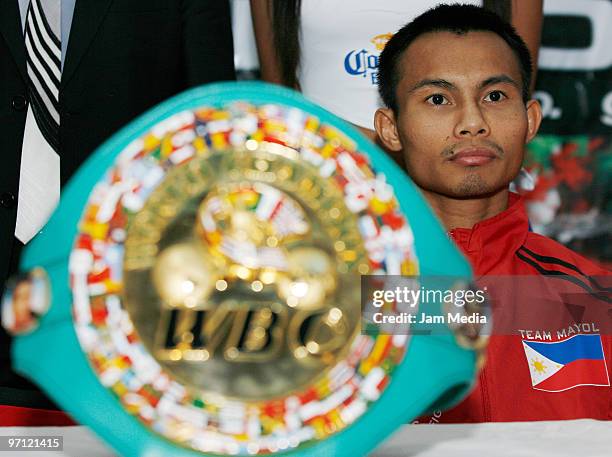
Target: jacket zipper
point(486, 403)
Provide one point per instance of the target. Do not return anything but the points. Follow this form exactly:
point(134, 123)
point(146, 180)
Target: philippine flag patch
point(563, 365)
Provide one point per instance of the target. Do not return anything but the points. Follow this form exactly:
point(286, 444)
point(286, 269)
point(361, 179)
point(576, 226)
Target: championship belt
point(198, 290)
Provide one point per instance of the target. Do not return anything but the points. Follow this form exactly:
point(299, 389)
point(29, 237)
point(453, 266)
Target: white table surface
point(578, 438)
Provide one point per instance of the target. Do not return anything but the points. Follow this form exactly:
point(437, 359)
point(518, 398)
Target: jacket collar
point(493, 239)
point(85, 24)
point(86, 21)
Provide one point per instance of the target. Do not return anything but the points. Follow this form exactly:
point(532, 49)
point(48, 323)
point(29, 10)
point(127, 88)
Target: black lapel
point(88, 15)
point(12, 31)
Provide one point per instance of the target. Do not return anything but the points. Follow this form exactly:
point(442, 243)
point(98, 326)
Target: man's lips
point(472, 157)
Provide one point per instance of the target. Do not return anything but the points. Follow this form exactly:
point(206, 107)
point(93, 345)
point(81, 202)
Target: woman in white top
point(329, 49)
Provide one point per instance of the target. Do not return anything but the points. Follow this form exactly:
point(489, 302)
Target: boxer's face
point(461, 121)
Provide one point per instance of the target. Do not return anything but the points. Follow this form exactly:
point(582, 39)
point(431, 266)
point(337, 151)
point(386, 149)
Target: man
point(118, 58)
point(456, 83)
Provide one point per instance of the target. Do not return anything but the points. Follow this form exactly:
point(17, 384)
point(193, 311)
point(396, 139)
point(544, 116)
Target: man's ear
point(384, 123)
point(534, 119)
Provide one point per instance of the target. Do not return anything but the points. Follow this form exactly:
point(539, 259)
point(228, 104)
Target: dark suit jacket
point(123, 57)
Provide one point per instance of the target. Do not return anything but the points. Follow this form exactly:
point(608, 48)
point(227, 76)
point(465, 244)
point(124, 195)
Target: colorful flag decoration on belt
point(562, 365)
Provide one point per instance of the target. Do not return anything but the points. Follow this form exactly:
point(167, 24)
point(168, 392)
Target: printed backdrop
point(571, 159)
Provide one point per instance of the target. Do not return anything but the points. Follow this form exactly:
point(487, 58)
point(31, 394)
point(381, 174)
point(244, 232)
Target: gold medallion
point(252, 296)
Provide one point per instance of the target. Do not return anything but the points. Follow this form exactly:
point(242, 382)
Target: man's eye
point(495, 96)
point(437, 99)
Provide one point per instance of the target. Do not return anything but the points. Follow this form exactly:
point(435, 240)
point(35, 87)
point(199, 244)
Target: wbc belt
point(198, 290)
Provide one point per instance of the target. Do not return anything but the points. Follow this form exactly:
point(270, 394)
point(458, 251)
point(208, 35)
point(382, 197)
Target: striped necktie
point(39, 179)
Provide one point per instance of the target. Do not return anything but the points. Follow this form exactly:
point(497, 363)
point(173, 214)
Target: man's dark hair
point(459, 19)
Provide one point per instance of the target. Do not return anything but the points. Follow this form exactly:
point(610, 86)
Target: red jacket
point(508, 387)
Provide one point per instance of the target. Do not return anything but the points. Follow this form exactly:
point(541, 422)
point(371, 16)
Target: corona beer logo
point(364, 63)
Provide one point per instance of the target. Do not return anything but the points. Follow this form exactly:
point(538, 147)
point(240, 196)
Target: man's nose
point(471, 122)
